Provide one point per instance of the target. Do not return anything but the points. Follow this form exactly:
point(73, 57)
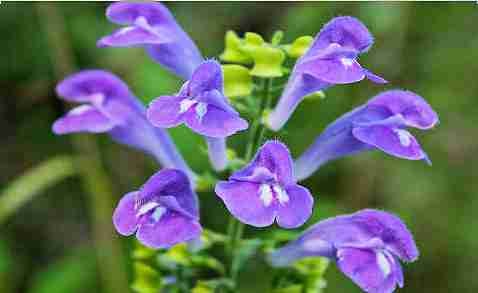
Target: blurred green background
point(62, 239)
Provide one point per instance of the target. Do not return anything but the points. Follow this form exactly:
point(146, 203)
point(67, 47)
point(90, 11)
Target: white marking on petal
point(404, 137)
point(80, 110)
point(146, 208)
point(201, 110)
point(347, 62)
point(265, 194)
point(383, 264)
point(158, 213)
point(124, 30)
point(97, 99)
point(315, 244)
point(185, 104)
point(281, 194)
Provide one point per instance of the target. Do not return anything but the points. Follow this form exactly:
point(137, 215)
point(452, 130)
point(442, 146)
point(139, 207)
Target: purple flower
point(202, 106)
point(331, 59)
point(164, 212)
point(109, 106)
point(152, 26)
point(265, 190)
point(379, 124)
point(366, 245)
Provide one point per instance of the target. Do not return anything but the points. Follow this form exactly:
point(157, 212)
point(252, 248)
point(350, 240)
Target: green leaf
point(299, 46)
point(75, 273)
point(237, 81)
point(33, 182)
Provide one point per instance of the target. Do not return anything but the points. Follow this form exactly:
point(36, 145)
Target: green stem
point(256, 135)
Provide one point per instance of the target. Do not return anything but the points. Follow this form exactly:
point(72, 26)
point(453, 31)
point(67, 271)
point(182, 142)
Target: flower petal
point(215, 122)
point(390, 229)
point(83, 118)
point(124, 216)
point(346, 31)
point(165, 111)
point(216, 98)
point(179, 55)
point(243, 201)
point(172, 228)
point(334, 71)
point(393, 141)
point(132, 36)
point(273, 156)
point(91, 85)
point(416, 111)
point(126, 13)
point(170, 182)
point(372, 271)
point(297, 210)
point(207, 77)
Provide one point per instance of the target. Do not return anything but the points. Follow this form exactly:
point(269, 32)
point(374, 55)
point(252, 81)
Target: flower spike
point(331, 59)
point(379, 124)
point(367, 246)
point(152, 26)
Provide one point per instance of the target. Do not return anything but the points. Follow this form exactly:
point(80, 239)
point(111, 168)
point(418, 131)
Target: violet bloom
point(152, 26)
point(379, 124)
point(202, 106)
point(331, 59)
point(164, 212)
point(108, 106)
point(366, 245)
point(265, 190)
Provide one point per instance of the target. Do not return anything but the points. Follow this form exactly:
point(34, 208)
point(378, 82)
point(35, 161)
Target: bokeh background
point(61, 240)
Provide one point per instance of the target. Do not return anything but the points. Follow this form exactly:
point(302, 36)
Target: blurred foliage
point(427, 48)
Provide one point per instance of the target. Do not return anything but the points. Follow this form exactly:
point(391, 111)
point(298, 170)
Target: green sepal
point(233, 53)
point(299, 46)
point(237, 81)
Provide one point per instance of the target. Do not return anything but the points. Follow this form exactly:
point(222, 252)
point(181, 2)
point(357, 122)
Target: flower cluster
point(366, 245)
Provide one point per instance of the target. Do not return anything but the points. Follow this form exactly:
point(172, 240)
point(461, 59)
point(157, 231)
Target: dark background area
point(50, 243)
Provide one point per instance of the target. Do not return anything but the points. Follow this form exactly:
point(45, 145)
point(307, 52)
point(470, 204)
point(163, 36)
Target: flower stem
point(256, 135)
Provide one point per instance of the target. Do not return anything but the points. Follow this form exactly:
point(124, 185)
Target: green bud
point(232, 52)
point(253, 40)
point(299, 46)
point(237, 81)
point(267, 61)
